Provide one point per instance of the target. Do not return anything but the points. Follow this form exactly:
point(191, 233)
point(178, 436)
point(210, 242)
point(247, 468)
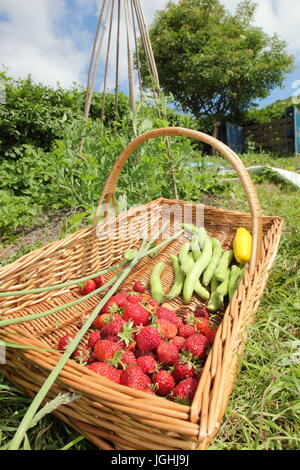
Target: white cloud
point(33, 41)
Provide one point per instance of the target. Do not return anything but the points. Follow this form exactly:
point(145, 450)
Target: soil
point(46, 230)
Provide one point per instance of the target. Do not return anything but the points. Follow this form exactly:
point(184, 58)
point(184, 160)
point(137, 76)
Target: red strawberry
point(112, 328)
point(93, 338)
point(105, 349)
point(196, 345)
point(134, 298)
point(153, 303)
point(126, 337)
point(65, 341)
point(81, 353)
point(183, 369)
point(201, 312)
point(166, 314)
point(99, 281)
point(140, 353)
point(148, 338)
point(147, 363)
point(121, 299)
point(167, 353)
point(106, 371)
point(136, 313)
point(139, 286)
point(166, 328)
point(128, 358)
point(202, 325)
point(178, 341)
point(164, 382)
point(115, 304)
point(186, 330)
point(88, 287)
point(186, 389)
point(134, 377)
point(105, 318)
point(211, 336)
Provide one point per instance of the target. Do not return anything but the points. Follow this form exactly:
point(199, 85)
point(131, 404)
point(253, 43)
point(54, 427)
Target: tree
point(215, 63)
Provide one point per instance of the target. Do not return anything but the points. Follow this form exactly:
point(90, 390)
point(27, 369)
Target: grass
point(263, 411)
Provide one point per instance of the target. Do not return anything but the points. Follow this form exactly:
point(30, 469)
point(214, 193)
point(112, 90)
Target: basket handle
point(108, 193)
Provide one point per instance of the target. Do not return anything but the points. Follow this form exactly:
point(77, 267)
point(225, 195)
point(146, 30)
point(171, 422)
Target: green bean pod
point(221, 270)
point(193, 275)
point(195, 247)
point(214, 301)
point(155, 282)
point(201, 291)
point(179, 278)
point(202, 236)
point(236, 274)
point(130, 254)
point(216, 256)
point(222, 288)
point(186, 262)
point(189, 228)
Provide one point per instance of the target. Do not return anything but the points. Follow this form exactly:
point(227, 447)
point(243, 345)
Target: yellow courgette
point(242, 244)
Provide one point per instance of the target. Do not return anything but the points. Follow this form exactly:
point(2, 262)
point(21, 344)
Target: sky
point(52, 39)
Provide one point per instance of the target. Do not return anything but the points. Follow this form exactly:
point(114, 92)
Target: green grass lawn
point(263, 411)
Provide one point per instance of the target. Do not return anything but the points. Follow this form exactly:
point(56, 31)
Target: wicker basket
point(113, 416)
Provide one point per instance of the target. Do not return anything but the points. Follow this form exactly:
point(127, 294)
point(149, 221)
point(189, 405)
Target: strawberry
point(134, 377)
point(81, 354)
point(147, 363)
point(93, 338)
point(186, 389)
point(202, 326)
point(99, 281)
point(211, 336)
point(138, 314)
point(106, 371)
point(112, 328)
point(153, 303)
point(148, 338)
point(183, 368)
point(121, 359)
point(126, 337)
point(105, 318)
point(167, 314)
point(121, 299)
point(115, 304)
point(164, 382)
point(64, 342)
point(88, 287)
point(139, 286)
point(128, 358)
point(186, 330)
point(178, 341)
point(196, 345)
point(201, 312)
point(167, 353)
point(166, 328)
point(105, 349)
point(134, 298)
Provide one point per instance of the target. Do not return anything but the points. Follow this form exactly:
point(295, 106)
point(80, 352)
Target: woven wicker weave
point(113, 416)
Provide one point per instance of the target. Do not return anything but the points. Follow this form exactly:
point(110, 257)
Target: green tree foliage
point(215, 63)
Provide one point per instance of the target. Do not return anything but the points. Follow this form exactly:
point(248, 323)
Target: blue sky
point(52, 39)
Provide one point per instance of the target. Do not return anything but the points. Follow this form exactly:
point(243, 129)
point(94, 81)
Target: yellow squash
point(242, 244)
